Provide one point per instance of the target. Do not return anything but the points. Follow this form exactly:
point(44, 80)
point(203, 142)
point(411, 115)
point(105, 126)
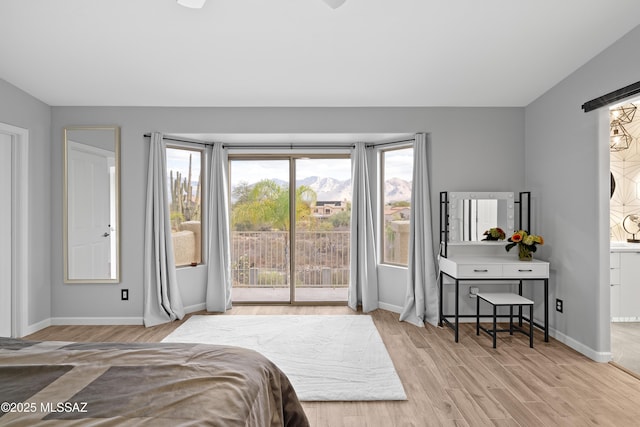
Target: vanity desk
point(465, 257)
point(491, 269)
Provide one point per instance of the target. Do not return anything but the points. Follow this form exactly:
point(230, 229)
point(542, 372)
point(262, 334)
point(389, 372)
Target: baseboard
point(35, 327)
point(597, 356)
point(195, 307)
point(390, 307)
point(57, 321)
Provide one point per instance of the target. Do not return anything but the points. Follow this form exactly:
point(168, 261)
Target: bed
point(159, 384)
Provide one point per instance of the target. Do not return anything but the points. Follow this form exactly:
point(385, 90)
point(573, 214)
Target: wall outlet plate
point(124, 294)
point(559, 305)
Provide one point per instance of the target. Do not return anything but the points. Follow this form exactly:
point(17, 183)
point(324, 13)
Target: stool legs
point(477, 316)
point(494, 325)
point(502, 300)
point(510, 320)
point(531, 325)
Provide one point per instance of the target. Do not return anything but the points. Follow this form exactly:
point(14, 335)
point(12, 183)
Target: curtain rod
point(382, 144)
point(175, 139)
point(287, 146)
point(611, 97)
point(334, 146)
point(279, 146)
point(253, 147)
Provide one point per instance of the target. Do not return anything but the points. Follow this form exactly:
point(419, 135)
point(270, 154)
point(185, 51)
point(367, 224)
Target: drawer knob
point(525, 270)
point(477, 270)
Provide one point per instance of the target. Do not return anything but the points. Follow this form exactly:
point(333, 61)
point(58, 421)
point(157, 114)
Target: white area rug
point(324, 357)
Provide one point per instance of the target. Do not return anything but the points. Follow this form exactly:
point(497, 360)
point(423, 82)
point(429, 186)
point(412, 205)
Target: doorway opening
point(6, 238)
point(624, 209)
point(14, 146)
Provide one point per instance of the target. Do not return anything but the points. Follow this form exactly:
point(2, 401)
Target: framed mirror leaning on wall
point(91, 217)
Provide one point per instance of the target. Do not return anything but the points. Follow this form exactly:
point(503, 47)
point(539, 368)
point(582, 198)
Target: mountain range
point(330, 189)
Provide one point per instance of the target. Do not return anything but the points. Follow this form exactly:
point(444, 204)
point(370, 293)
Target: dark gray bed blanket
point(56, 383)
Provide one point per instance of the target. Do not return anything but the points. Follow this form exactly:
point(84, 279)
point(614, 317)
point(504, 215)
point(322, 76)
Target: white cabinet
point(625, 286)
point(614, 282)
point(630, 284)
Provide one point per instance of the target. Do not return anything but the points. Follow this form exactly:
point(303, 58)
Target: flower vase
point(524, 253)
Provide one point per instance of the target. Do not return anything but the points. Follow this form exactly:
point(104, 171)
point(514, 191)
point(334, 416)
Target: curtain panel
point(162, 301)
point(363, 280)
point(218, 298)
point(421, 300)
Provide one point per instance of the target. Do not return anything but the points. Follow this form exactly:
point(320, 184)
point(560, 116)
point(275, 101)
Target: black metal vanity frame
point(524, 199)
point(456, 316)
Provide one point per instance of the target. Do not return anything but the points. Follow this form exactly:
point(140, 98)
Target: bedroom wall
point(18, 108)
point(479, 149)
point(567, 167)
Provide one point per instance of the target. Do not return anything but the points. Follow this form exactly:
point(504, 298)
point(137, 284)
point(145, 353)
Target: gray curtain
point(218, 297)
point(162, 301)
point(363, 280)
point(421, 301)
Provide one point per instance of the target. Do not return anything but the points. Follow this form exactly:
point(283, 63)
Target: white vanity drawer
point(523, 269)
point(479, 270)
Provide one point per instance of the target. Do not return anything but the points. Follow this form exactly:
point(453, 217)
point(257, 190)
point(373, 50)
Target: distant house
point(323, 209)
point(397, 213)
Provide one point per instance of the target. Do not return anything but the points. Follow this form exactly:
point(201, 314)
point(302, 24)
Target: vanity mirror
point(91, 223)
point(472, 213)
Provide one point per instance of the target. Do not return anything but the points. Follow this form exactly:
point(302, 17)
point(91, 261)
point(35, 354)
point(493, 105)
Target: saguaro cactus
point(183, 206)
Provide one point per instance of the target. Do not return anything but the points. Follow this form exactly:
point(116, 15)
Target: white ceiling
point(301, 52)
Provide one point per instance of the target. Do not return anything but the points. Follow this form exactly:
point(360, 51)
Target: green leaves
point(265, 205)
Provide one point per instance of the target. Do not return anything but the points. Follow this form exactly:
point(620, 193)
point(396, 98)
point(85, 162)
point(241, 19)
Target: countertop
point(624, 247)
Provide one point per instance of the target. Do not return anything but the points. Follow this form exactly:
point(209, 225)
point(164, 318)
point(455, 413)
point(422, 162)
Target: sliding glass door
point(260, 239)
point(321, 233)
point(290, 243)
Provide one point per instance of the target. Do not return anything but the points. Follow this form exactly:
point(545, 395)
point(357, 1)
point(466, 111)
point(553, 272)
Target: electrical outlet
point(559, 305)
point(473, 291)
point(124, 294)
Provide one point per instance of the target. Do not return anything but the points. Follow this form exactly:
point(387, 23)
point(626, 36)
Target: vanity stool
point(504, 299)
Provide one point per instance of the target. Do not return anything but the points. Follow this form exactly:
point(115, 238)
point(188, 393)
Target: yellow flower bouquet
point(495, 233)
point(526, 244)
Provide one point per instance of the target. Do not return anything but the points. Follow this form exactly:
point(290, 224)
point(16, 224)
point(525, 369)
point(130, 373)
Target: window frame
point(291, 157)
point(204, 180)
point(381, 228)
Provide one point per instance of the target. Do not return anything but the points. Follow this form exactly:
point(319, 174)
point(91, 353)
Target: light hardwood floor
point(464, 384)
point(625, 345)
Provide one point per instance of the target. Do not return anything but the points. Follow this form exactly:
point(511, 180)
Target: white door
point(5, 236)
point(89, 231)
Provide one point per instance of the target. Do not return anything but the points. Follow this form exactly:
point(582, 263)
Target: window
point(184, 166)
point(396, 172)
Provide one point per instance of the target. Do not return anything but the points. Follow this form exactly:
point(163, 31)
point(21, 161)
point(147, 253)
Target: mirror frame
point(455, 197)
point(65, 237)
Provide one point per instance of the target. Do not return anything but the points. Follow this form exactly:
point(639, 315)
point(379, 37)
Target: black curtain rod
point(173, 138)
point(611, 97)
point(252, 147)
point(278, 146)
point(298, 146)
point(382, 144)
point(286, 146)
